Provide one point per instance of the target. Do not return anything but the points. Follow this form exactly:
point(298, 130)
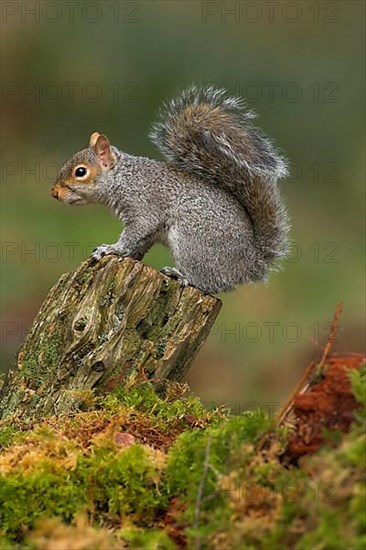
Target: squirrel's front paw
point(105, 249)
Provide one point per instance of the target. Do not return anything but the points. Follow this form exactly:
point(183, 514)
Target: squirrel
point(214, 201)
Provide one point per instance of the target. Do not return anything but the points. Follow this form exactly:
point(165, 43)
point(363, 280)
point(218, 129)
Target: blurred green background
point(69, 69)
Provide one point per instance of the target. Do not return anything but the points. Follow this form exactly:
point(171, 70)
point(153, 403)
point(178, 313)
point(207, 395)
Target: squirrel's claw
point(174, 273)
point(103, 250)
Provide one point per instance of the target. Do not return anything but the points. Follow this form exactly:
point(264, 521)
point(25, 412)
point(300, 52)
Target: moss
point(151, 326)
point(185, 459)
point(5, 544)
point(106, 483)
point(162, 472)
point(51, 348)
point(41, 493)
point(168, 409)
point(358, 381)
point(85, 275)
point(36, 363)
point(53, 533)
point(14, 400)
point(29, 366)
point(327, 509)
point(8, 435)
point(152, 539)
point(108, 297)
point(125, 484)
point(53, 474)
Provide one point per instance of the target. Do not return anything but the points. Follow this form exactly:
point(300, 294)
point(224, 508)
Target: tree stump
point(97, 327)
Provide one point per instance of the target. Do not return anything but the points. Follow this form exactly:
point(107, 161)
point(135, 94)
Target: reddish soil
point(327, 405)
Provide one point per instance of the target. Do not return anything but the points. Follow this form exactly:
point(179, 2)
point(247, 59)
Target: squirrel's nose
point(54, 193)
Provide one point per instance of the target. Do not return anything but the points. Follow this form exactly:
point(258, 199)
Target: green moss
point(36, 363)
point(105, 483)
point(123, 484)
point(209, 485)
point(52, 348)
point(144, 399)
point(219, 444)
point(25, 497)
point(85, 275)
point(29, 366)
point(5, 544)
point(8, 435)
point(13, 401)
point(108, 481)
point(358, 381)
point(151, 539)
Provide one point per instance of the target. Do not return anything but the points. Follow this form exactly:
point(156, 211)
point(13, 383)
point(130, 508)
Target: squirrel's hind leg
point(174, 273)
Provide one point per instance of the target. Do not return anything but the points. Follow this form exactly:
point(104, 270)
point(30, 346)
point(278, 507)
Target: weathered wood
point(100, 325)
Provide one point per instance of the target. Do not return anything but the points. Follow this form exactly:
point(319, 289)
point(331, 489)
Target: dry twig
point(200, 491)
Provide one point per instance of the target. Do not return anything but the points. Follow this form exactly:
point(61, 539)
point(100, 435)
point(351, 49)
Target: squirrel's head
point(79, 178)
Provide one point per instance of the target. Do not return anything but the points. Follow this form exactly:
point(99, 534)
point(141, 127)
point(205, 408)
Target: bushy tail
point(207, 133)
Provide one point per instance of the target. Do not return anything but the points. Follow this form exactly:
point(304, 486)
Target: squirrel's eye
point(80, 172)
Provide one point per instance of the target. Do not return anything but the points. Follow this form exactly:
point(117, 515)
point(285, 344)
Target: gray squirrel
point(214, 201)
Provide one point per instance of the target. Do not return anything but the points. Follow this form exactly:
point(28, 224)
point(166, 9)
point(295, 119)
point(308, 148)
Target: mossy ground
point(136, 470)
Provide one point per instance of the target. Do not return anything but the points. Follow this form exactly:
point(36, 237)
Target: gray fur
point(215, 202)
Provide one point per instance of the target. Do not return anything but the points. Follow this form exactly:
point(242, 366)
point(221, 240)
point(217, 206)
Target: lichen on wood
point(99, 326)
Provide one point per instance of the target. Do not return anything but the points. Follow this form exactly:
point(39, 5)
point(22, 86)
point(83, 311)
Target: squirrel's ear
point(102, 149)
point(93, 139)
